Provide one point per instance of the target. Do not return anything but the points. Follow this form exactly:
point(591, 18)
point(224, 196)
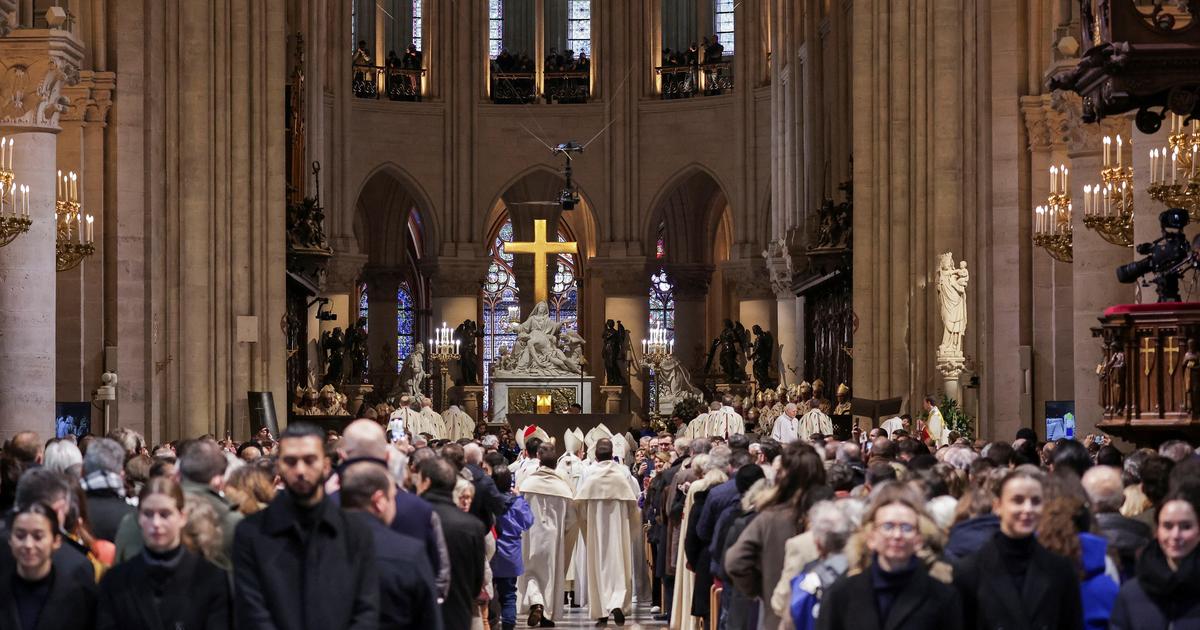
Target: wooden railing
point(707, 79)
point(398, 84)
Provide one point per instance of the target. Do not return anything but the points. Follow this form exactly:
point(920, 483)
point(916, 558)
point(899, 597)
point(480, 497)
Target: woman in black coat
point(1013, 582)
point(1166, 591)
point(895, 591)
point(166, 587)
point(35, 593)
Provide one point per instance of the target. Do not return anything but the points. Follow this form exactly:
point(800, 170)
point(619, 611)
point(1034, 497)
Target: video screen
point(1060, 419)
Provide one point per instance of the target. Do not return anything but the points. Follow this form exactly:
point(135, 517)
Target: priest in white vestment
point(734, 422)
point(608, 513)
point(529, 438)
point(547, 546)
point(697, 428)
point(431, 421)
point(570, 467)
point(408, 417)
point(787, 425)
point(935, 425)
point(459, 424)
point(815, 421)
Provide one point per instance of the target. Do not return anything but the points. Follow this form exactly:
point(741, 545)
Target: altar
point(539, 394)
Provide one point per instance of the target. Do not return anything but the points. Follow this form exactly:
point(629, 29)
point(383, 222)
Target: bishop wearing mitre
point(606, 501)
point(547, 546)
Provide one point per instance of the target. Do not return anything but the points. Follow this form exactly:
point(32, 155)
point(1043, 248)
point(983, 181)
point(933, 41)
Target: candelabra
point(1108, 207)
point(74, 230)
point(14, 208)
point(1173, 177)
point(1052, 222)
point(657, 347)
point(442, 350)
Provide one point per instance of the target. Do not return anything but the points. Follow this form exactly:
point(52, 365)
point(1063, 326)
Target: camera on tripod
point(1168, 257)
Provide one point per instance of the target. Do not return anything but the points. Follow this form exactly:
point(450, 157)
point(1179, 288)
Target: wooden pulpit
point(1148, 378)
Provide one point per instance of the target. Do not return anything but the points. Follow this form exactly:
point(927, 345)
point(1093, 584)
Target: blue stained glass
point(417, 6)
point(363, 301)
point(405, 324)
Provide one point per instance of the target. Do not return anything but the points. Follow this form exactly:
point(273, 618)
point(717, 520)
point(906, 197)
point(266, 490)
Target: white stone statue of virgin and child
point(543, 347)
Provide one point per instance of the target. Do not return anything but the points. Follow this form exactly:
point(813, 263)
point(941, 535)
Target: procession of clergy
point(585, 498)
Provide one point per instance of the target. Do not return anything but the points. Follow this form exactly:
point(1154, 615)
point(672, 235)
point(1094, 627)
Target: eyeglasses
point(891, 528)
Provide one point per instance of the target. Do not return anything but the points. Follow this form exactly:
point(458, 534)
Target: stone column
point(691, 299)
point(626, 299)
point(27, 265)
point(1095, 260)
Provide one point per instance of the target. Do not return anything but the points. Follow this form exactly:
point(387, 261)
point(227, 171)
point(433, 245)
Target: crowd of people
point(716, 524)
point(401, 73)
point(710, 50)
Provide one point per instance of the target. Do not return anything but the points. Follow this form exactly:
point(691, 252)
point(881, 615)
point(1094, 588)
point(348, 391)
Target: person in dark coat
point(895, 591)
point(407, 595)
point(464, 533)
point(42, 485)
point(166, 585)
point(658, 490)
point(36, 593)
point(1166, 591)
point(1012, 581)
point(104, 482)
point(969, 536)
point(1128, 536)
point(301, 563)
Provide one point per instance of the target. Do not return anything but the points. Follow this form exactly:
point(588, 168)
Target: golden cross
point(540, 247)
point(1148, 350)
point(1171, 349)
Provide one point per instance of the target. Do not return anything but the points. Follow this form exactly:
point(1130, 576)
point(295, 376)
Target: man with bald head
point(363, 441)
point(1106, 493)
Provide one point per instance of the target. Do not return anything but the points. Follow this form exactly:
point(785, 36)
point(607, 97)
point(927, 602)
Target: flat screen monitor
point(1060, 419)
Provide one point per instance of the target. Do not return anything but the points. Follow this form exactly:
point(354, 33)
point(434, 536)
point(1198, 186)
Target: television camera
point(1167, 258)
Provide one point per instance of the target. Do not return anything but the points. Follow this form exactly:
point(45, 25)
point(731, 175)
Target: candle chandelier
point(1173, 177)
point(1108, 207)
point(1052, 222)
point(14, 198)
point(74, 229)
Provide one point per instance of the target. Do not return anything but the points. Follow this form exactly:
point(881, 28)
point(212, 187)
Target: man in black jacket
point(407, 595)
point(301, 563)
point(434, 480)
point(104, 481)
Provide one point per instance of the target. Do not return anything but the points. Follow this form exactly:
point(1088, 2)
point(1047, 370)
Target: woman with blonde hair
point(895, 590)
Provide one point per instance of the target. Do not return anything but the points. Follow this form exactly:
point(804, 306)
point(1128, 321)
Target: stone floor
point(577, 618)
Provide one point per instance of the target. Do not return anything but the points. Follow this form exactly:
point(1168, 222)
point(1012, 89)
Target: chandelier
point(1108, 207)
point(1173, 180)
point(74, 230)
point(14, 208)
point(1052, 222)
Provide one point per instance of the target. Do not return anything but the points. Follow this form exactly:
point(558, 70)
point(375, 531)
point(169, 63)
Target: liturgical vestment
point(608, 513)
point(548, 544)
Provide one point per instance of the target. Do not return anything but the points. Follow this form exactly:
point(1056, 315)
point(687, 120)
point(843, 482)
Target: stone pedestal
point(610, 398)
point(516, 393)
point(355, 394)
point(472, 401)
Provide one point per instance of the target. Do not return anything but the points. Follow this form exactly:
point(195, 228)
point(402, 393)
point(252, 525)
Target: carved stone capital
point(456, 277)
point(778, 259)
point(690, 280)
point(382, 280)
point(1083, 137)
point(35, 66)
point(750, 278)
point(622, 276)
point(91, 98)
point(343, 271)
point(1045, 125)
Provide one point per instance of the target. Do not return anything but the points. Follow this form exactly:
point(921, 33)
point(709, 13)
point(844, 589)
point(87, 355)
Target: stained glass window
point(495, 27)
point(723, 23)
point(416, 23)
point(406, 329)
point(501, 302)
point(579, 26)
point(662, 315)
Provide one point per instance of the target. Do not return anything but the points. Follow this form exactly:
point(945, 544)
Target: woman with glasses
point(1013, 581)
point(895, 590)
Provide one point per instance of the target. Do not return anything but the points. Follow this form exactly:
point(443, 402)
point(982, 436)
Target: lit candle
point(1153, 159)
point(1193, 173)
point(1174, 162)
point(1053, 179)
point(74, 191)
point(1087, 191)
point(91, 235)
point(1107, 146)
point(79, 228)
point(1066, 181)
point(1120, 160)
point(58, 189)
point(25, 188)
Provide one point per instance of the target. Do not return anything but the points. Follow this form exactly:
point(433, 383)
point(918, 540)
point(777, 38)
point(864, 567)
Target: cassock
point(724, 422)
point(459, 425)
point(608, 513)
point(432, 423)
point(736, 424)
point(547, 546)
point(786, 429)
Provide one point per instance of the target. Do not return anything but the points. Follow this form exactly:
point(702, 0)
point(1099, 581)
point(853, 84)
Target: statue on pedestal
point(414, 369)
point(952, 294)
point(731, 344)
point(615, 347)
point(537, 351)
point(468, 360)
point(356, 345)
point(674, 382)
point(333, 351)
point(761, 354)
